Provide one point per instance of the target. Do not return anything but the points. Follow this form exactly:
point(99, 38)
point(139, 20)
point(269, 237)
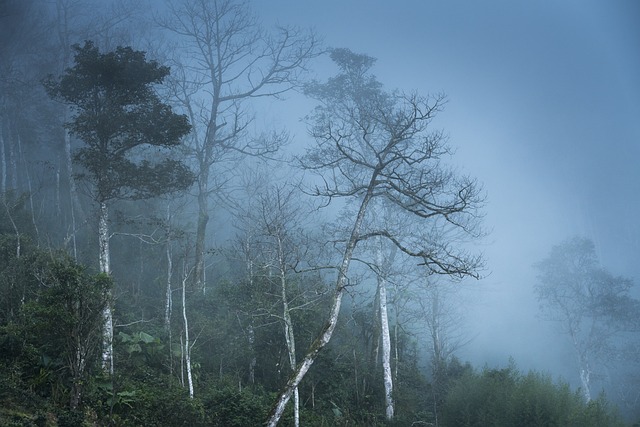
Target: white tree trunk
point(288, 333)
point(201, 229)
point(187, 346)
point(168, 301)
point(103, 239)
point(254, 359)
point(316, 346)
point(585, 378)
point(332, 321)
point(73, 195)
point(585, 369)
point(105, 267)
point(386, 340)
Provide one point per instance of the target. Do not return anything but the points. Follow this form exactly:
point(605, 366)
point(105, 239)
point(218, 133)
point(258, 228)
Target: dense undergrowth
point(42, 323)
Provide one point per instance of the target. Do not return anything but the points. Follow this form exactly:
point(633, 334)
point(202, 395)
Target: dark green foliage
point(50, 320)
point(14, 215)
point(228, 406)
point(505, 397)
point(117, 114)
point(156, 400)
point(42, 301)
point(65, 322)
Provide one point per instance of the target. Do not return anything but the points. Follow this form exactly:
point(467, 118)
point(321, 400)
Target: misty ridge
point(242, 213)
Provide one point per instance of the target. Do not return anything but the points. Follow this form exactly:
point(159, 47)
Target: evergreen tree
point(118, 116)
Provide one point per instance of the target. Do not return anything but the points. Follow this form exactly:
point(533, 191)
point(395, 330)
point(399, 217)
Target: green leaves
point(506, 397)
point(119, 117)
point(133, 343)
point(122, 77)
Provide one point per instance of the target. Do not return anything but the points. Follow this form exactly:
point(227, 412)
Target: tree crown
point(117, 114)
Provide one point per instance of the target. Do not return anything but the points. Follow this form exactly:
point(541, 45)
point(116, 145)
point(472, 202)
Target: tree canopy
point(117, 113)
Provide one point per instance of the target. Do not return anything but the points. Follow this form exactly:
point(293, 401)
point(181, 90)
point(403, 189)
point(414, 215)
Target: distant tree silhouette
point(592, 307)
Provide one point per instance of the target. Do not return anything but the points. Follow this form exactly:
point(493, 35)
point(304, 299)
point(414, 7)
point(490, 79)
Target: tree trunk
point(288, 331)
point(73, 195)
point(28, 177)
point(332, 321)
point(63, 10)
point(585, 378)
point(187, 346)
point(254, 360)
point(105, 267)
point(583, 363)
point(437, 362)
point(201, 233)
point(315, 348)
point(386, 340)
point(168, 300)
point(396, 364)
point(375, 340)
point(78, 367)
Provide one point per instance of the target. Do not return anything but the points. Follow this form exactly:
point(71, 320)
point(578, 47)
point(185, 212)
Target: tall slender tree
point(227, 60)
point(383, 263)
point(371, 145)
point(277, 248)
point(117, 114)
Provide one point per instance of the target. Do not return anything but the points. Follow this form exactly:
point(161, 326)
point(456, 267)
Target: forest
point(171, 258)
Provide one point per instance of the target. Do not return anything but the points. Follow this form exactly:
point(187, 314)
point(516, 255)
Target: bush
point(504, 397)
point(228, 406)
point(157, 401)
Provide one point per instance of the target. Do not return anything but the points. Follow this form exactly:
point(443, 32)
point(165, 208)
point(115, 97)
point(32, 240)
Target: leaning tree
point(377, 145)
point(118, 116)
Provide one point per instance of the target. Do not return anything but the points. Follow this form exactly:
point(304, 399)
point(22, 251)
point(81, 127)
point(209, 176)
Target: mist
point(542, 107)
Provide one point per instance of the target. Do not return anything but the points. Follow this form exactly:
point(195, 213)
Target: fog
point(543, 105)
point(543, 109)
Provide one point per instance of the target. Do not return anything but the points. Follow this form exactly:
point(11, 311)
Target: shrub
point(505, 397)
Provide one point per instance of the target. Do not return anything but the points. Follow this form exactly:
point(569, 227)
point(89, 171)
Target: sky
point(544, 107)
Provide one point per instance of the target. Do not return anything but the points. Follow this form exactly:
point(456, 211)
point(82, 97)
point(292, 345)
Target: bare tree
point(277, 241)
point(278, 223)
point(372, 145)
point(224, 59)
point(443, 320)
